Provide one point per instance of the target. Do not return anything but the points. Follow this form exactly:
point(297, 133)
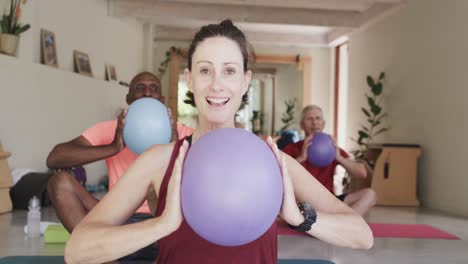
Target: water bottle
point(34, 218)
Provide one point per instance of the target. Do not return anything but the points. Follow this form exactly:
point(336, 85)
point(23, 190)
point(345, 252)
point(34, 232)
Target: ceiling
point(301, 23)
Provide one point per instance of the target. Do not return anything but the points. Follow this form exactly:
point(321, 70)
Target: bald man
point(101, 141)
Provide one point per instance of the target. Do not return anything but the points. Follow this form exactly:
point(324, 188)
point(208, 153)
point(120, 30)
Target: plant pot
point(9, 44)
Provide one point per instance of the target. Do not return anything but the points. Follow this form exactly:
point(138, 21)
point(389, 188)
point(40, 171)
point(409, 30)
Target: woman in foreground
point(218, 81)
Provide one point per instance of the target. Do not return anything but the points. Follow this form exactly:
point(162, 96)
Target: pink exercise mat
point(392, 230)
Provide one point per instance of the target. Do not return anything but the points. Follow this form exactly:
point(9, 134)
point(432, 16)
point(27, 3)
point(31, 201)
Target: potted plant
point(257, 122)
point(288, 115)
point(374, 126)
point(375, 117)
point(288, 135)
point(11, 28)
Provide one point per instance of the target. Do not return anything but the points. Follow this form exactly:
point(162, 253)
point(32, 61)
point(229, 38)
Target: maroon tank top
point(184, 246)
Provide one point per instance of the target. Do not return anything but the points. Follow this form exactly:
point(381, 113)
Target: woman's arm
point(100, 237)
point(336, 223)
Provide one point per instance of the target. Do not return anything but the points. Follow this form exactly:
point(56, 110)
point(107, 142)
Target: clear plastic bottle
point(34, 218)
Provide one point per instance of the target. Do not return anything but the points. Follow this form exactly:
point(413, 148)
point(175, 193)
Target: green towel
point(56, 234)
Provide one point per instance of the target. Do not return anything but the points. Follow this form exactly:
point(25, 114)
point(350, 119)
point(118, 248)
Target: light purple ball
point(321, 152)
point(232, 187)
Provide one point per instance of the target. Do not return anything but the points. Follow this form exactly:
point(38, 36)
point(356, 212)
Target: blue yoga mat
point(59, 260)
point(32, 259)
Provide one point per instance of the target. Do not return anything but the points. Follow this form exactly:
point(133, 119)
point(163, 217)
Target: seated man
point(311, 122)
point(101, 141)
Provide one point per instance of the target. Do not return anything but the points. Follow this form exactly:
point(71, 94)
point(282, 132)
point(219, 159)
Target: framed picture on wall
point(111, 74)
point(48, 49)
point(82, 63)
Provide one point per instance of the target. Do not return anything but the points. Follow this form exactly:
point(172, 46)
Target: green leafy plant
point(165, 63)
point(374, 115)
point(288, 115)
point(258, 121)
point(10, 22)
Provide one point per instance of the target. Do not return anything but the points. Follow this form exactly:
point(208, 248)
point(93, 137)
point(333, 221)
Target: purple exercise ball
point(232, 187)
point(321, 152)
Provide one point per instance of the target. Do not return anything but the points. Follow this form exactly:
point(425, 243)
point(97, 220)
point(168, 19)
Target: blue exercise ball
point(321, 152)
point(146, 123)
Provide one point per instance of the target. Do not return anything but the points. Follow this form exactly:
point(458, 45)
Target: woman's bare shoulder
point(160, 148)
point(158, 157)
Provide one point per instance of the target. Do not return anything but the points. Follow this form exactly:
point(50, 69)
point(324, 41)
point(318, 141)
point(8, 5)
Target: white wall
point(422, 48)
point(41, 106)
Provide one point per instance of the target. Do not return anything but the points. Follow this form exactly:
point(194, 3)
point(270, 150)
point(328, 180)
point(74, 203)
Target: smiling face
point(217, 80)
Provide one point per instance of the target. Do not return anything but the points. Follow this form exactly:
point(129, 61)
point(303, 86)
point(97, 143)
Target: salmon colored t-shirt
point(103, 134)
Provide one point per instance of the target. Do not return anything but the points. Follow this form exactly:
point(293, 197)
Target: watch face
point(304, 207)
point(307, 207)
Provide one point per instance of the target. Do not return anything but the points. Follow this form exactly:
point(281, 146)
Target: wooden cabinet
point(6, 181)
point(394, 176)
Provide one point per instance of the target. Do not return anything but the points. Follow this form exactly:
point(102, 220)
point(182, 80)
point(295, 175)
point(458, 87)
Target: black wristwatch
point(310, 217)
